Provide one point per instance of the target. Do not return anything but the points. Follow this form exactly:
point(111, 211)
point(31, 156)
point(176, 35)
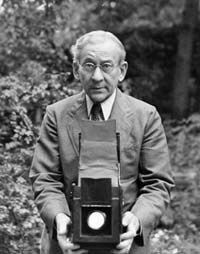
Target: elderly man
point(99, 64)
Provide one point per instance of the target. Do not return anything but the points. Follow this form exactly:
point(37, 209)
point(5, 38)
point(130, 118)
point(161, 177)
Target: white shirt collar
point(105, 105)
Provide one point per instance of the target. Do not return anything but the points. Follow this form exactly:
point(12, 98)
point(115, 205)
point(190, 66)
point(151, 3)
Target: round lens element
point(96, 220)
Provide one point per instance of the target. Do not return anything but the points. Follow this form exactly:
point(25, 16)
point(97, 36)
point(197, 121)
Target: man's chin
point(98, 97)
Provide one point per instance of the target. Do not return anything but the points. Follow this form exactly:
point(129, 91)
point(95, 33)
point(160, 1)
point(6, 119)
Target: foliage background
point(35, 70)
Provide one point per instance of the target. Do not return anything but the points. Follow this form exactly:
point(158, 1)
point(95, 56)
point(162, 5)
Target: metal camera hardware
point(97, 197)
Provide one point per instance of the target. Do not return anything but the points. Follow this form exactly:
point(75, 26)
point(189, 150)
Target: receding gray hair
point(98, 34)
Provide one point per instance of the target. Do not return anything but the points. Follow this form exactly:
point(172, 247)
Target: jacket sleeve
point(155, 181)
point(46, 173)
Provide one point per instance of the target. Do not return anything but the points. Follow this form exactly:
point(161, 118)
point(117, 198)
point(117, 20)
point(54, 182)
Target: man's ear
point(76, 70)
point(123, 69)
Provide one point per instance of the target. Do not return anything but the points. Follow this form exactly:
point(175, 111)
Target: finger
point(124, 245)
point(129, 219)
point(126, 219)
point(75, 247)
point(132, 224)
point(66, 244)
point(128, 235)
point(79, 251)
point(62, 223)
point(122, 251)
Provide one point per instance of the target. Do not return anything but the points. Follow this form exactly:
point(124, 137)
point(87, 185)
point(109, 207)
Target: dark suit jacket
point(145, 167)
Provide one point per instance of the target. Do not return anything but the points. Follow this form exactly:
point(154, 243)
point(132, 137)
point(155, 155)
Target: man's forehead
point(100, 49)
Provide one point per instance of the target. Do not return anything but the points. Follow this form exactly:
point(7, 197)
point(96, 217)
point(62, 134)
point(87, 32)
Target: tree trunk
point(183, 60)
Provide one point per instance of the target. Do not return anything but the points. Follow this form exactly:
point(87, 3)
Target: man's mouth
point(97, 88)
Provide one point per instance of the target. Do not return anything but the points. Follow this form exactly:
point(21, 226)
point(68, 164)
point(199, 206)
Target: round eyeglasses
point(91, 67)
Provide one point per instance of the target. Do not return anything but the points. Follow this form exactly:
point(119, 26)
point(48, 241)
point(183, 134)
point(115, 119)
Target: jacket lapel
point(78, 112)
point(124, 116)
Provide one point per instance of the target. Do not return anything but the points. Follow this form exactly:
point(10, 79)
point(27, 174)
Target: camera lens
point(96, 220)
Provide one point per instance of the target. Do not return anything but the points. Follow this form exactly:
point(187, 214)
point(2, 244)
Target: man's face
point(100, 83)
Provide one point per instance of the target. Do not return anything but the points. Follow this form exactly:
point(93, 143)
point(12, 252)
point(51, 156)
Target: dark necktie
point(96, 112)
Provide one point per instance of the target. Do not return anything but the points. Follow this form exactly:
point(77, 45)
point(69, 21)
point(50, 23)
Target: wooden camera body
point(97, 198)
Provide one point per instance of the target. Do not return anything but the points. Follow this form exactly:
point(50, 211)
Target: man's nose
point(97, 75)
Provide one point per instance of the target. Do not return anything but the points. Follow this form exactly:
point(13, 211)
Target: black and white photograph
point(99, 126)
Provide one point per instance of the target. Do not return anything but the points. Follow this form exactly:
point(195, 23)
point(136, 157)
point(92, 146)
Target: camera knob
point(96, 220)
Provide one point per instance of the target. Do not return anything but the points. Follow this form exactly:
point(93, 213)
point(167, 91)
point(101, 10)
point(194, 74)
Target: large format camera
point(97, 198)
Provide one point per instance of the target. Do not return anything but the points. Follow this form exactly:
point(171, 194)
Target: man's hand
point(63, 223)
point(131, 222)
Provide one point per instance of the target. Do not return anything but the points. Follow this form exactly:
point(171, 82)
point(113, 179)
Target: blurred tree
point(30, 30)
point(44, 30)
point(149, 32)
point(184, 58)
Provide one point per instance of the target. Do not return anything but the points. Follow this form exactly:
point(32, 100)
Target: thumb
point(62, 223)
point(126, 218)
point(131, 222)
